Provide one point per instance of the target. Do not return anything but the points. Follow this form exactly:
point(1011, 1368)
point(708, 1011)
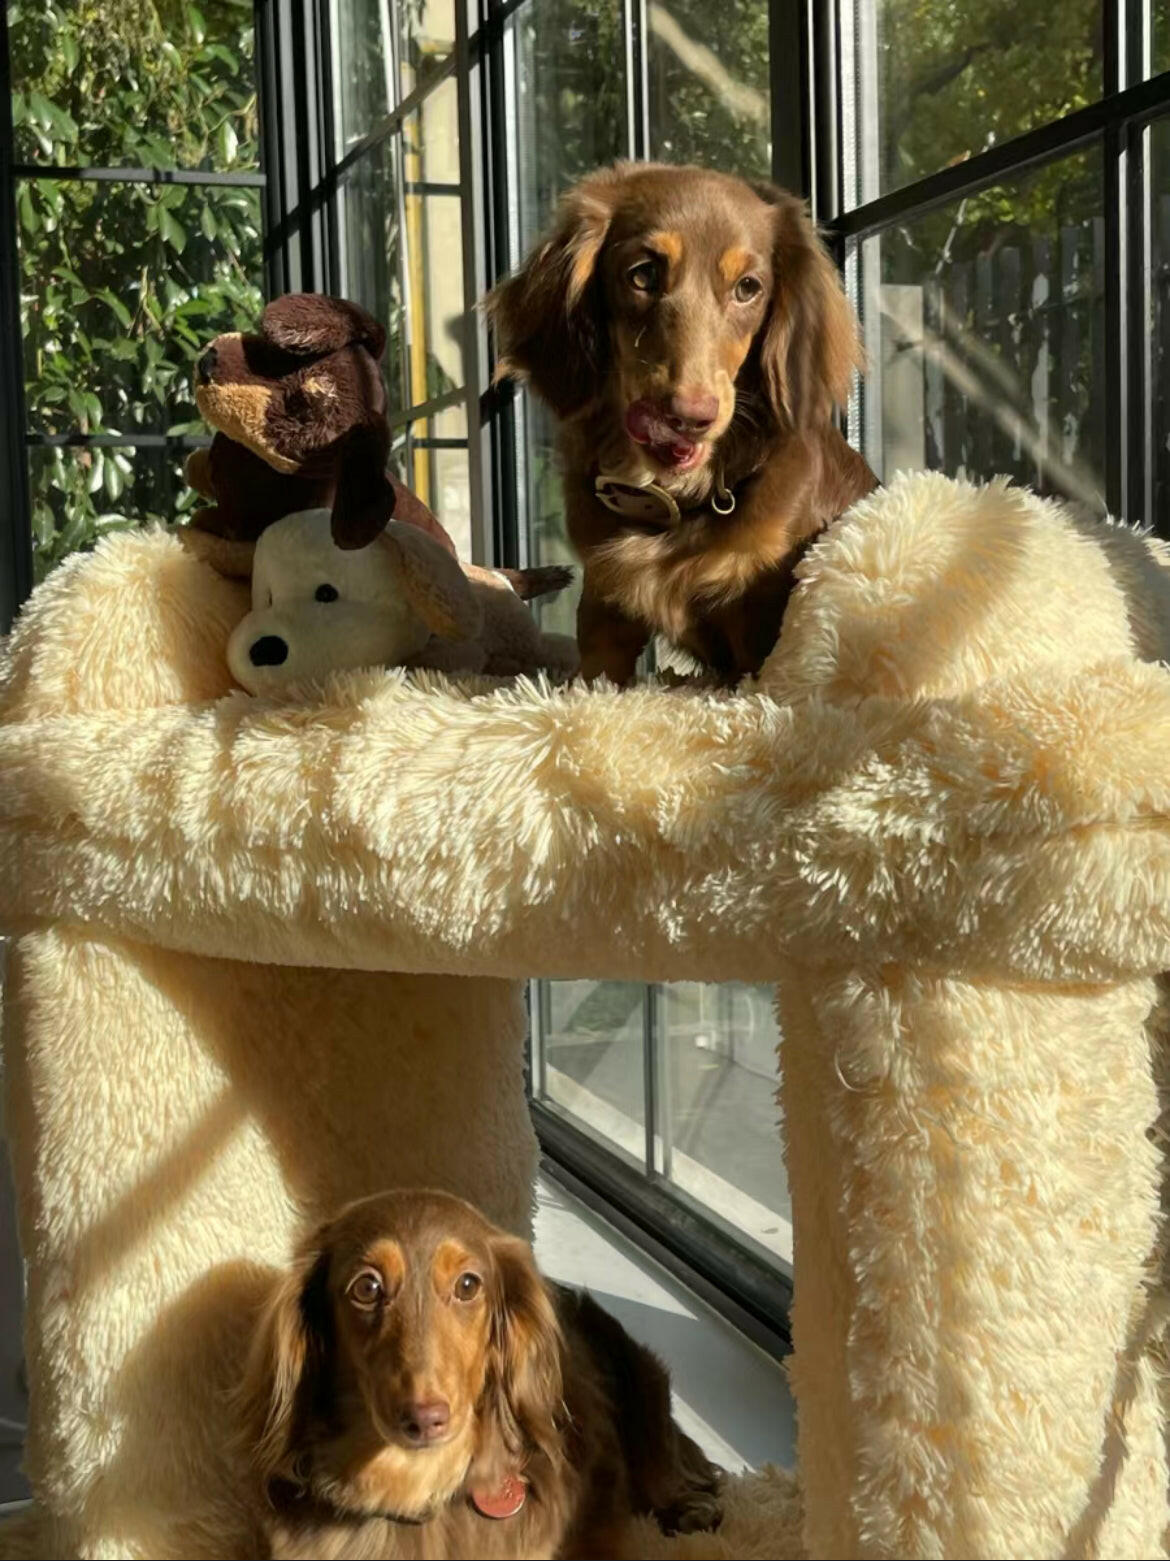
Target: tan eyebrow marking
point(386, 1255)
point(669, 242)
point(734, 262)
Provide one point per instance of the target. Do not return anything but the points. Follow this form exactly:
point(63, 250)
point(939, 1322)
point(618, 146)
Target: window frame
point(1130, 103)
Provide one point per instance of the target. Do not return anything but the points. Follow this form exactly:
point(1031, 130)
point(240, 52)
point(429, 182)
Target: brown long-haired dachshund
point(416, 1389)
point(690, 332)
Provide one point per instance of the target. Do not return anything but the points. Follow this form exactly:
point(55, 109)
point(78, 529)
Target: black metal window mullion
point(1136, 398)
point(498, 406)
point(108, 441)
point(471, 77)
point(327, 138)
point(296, 247)
point(790, 29)
point(1136, 104)
point(84, 173)
point(1115, 142)
point(634, 27)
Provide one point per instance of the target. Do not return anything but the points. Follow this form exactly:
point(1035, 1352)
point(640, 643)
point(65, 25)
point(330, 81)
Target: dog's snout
point(427, 1420)
point(692, 411)
point(268, 651)
point(205, 368)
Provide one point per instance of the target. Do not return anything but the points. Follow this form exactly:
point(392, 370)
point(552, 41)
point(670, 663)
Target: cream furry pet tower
point(270, 956)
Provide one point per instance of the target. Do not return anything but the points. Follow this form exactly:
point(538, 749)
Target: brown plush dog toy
point(298, 465)
point(299, 410)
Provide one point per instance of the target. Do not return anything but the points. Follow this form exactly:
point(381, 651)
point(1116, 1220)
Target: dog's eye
point(365, 1289)
point(747, 288)
point(325, 593)
point(467, 1287)
point(643, 277)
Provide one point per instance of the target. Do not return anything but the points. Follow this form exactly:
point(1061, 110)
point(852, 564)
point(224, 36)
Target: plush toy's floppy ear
point(433, 583)
point(363, 498)
point(313, 324)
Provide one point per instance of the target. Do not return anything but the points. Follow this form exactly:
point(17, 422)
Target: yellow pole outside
point(412, 162)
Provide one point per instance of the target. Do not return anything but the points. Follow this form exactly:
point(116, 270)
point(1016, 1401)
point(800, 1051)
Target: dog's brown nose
point(692, 411)
point(426, 1421)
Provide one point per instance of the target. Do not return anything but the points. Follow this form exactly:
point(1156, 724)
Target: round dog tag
point(504, 1501)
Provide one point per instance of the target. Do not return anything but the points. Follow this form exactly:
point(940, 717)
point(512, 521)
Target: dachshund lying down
point(689, 332)
point(415, 1389)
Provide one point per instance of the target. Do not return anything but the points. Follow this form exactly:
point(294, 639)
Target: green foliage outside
point(122, 284)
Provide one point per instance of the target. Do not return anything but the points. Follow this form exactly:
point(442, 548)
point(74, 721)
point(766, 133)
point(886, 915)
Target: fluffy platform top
point(958, 754)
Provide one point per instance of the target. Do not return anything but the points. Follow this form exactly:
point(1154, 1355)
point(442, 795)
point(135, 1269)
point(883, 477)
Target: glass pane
point(370, 254)
point(442, 477)
point(122, 286)
point(718, 1140)
point(134, 84)
point(709, 97)
point(450, 423)
point(426, 39)
point(985, 330)
point(1158, 52)
point(77, 495)
point(368, 35)
point(569, 100)
point(593, 1058)
point(363, 51)
point(933, 84)
point(570, 116)
point(548, 539)
point(434, 246)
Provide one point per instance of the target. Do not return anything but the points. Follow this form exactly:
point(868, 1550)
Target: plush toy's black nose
point(205, 368)
point(268, 651)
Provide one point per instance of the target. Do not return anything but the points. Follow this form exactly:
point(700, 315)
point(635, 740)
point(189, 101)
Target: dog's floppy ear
point(290, 1349)
point(810, 346)
point(548, 318)
point(363, 496)
point(311, 324)
point(433, 583)
point(525, 1369)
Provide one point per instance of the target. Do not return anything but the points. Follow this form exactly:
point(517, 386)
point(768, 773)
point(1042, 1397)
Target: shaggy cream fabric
point(941, 821)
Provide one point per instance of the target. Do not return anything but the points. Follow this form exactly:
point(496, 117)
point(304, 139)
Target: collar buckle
point(647, 504)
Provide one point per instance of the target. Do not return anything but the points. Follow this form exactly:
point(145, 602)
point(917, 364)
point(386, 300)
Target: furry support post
point(269, 955)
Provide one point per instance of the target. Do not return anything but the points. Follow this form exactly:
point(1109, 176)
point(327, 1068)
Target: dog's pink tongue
point(645, 424)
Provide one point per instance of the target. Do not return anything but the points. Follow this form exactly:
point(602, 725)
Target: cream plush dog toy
point(403, 600)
